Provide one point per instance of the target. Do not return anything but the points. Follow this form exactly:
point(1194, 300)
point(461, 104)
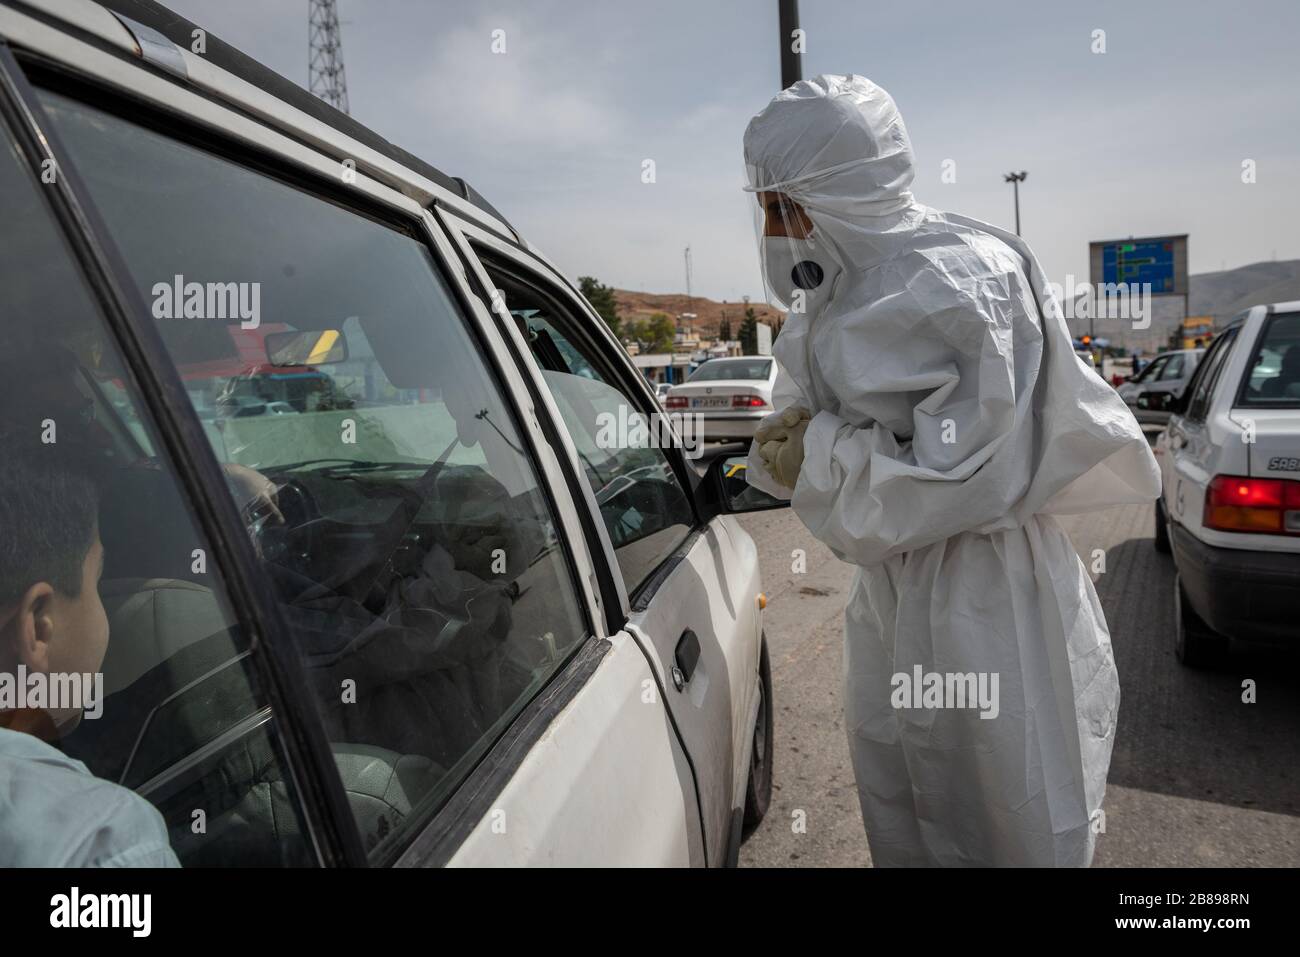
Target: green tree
point(661, 332)
point(749, 333)
point(652, 335)
point(602, 300)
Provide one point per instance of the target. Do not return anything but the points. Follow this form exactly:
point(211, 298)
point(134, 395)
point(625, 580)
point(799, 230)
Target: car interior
point(384, 577)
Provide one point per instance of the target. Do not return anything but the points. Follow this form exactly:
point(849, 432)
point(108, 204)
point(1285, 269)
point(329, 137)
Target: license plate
point(722, 403)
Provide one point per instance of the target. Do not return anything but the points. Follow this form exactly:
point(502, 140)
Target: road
point(1198, 778)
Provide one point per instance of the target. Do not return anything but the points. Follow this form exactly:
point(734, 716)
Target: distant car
point(240, 406)
point(662, 389)
point(247, 407)
point(731, 394)
point(269, 390)
point(1169, 373)
point(1230, 504)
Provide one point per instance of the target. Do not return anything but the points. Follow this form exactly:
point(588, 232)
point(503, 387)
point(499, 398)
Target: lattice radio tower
point(325, 54)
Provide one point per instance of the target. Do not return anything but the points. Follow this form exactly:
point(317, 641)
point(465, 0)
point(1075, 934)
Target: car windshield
point(1274, 376)
point(1152, 369)
point(716, 369)
point(1174, 367)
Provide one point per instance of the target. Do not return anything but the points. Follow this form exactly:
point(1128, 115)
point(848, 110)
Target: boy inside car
point(53, 811)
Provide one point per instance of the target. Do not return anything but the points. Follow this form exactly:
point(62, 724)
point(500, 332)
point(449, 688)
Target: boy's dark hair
point(48, 510)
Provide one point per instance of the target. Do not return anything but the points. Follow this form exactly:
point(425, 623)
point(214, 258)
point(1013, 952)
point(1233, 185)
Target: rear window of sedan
point(732, 369)
point(1273, 376)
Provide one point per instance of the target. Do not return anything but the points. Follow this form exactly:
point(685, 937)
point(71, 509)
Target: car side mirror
point(722, 489)
point(1161, 402)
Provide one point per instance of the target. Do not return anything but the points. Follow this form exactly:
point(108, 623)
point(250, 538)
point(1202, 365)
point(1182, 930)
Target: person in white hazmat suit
point(931, 419)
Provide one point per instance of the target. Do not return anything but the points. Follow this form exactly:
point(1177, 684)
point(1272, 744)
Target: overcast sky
point(1147, 138)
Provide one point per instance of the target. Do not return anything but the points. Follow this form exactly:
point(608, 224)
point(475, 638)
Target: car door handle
point(685, 658)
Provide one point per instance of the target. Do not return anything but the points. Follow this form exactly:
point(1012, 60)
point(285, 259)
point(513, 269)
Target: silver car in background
point(1168, 372)
point(732, 395)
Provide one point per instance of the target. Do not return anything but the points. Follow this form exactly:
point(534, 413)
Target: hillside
point(1224, 294)
point(710, 313)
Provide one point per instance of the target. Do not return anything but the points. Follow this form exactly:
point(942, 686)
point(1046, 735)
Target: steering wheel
point(288, 543)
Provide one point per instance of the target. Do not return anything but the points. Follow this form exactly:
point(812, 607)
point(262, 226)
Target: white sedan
point(732, 395)
point(1230, 508)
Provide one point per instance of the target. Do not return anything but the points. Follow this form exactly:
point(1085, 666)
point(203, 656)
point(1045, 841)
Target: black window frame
point(198, 478)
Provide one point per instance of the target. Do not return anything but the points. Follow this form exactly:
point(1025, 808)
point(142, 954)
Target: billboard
point(1160, 261)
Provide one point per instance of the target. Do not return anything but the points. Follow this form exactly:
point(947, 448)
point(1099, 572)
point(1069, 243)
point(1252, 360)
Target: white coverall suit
point(950, 422)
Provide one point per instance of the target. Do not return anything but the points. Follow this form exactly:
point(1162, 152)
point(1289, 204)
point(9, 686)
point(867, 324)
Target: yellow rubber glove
point(780, 444)
point(775, 427)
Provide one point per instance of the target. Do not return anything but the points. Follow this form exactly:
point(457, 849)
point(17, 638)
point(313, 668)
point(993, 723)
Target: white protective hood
point(950, 420)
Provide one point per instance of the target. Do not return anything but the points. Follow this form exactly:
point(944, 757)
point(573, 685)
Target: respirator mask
point(799, 269)
point(799, 274)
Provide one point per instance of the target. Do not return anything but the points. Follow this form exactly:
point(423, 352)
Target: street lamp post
point(1015, 179)
point(791, 59)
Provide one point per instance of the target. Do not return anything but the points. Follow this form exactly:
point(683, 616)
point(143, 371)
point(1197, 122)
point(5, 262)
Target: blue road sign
point(1139, 262)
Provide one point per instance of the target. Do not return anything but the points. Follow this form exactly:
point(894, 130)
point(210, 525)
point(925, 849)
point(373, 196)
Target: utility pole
point(1015, 179)
point(787, 15)
point(325, 54)
point(690, 299)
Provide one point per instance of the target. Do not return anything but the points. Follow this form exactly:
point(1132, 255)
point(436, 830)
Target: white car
point(1230, 504)
point(476, 629)
point(1168, 372)
point(731, 395)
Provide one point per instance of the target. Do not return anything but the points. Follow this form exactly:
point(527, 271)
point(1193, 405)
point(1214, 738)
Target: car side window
point(1207, 375)
point(397, 514)
point(642, 502)
point(1153, 371)
point(180, 716)
point(1273, 376)
point(1173, 369)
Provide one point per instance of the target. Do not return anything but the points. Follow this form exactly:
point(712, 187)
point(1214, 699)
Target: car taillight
point(747, 402)
point(1237, 504)
point(675, 402)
